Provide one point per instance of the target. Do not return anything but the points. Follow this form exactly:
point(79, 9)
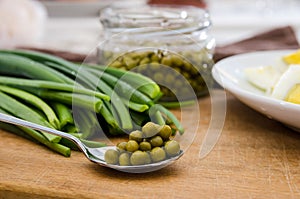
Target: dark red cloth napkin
point(197, 3)
point(275, 39)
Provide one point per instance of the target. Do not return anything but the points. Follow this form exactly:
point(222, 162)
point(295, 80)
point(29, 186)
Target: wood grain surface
point(255, 157)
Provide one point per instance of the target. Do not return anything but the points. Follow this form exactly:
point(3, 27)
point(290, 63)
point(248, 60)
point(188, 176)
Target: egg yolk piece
point(294, 95)
point(293, 58)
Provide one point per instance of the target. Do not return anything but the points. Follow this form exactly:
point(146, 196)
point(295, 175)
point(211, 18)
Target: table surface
point(255, 157)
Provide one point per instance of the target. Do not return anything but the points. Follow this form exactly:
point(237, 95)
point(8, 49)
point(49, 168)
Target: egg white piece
point(287, 81)
point(263, 77)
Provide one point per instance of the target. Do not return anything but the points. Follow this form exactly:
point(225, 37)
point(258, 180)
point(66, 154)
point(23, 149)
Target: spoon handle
point(16, 121)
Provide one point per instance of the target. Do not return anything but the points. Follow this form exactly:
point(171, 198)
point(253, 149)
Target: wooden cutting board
point(255, 157)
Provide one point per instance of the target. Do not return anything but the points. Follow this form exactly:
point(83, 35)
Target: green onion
point(51, 85)
point(63, 113)
point(35, 101)
point(22, 111)
point(20, 66)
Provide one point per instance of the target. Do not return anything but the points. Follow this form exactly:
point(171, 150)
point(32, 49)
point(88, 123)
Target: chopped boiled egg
point(287, 81)
point(294, 95)
point(293, 58)
point(263, 77)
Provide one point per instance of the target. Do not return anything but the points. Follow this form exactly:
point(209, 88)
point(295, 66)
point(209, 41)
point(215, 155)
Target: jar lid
point(183, 19)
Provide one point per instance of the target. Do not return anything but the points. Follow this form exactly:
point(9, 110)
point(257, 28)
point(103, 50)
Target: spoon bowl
point(95, 155)
point(98, 153)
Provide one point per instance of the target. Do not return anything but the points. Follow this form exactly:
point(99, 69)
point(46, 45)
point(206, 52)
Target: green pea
point(177, 70)
point(172, 148)
point(116, 64)
point(167, 61)
point(157, 154)
point(178, 84)
point(194, 84)
point(194, 70)
point(142, 68)
point(156, 141)
point(145, 146)
point(155, 58)
point(123, 68)
point(170, 78)
point(158, 77)
point(165, 132)
point(145, 60)
point(154, 66)
point(150, 129)
point(111, 156)
point(122, 146)
point(139, 158)
point(124, 159)
point(134, 55)
point(130, 63)
point(199, 79)
point(147, 158)
point(136, 135)
point(176, 60)
point(132, 146)
point(187, 65)
point(143, 54)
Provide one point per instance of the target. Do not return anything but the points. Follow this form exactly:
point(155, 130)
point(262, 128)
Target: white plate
point(229, 73)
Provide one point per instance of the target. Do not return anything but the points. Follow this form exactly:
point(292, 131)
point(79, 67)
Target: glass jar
point(170, 44)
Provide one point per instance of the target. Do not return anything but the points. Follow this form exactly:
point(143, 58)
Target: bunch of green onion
point(81, 99)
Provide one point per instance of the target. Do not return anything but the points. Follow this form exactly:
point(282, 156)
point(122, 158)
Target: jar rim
point(172, 17)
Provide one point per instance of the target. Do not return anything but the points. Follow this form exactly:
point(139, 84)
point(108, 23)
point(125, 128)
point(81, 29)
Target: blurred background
point(73, 25)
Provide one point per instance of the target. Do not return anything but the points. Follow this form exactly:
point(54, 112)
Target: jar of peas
point(170, 44)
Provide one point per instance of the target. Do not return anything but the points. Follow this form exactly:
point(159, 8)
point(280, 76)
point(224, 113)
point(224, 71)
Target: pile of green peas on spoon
point(150, 145)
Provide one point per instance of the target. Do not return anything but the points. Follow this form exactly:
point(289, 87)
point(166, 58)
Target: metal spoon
point(93, 154)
